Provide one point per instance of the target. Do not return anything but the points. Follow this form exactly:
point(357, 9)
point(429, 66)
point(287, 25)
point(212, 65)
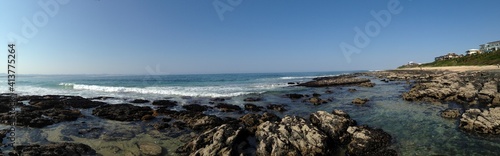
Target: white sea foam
point(199, 91)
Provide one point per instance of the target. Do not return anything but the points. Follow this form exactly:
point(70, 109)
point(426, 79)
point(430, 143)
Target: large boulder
point(481, 121)
point(122, 112)
point(334, 124)
point(368, 141)
point(221, 140)
point(251, 121)
point(291, 136)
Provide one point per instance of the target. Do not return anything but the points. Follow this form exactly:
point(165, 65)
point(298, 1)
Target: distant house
point(448, 56)
point(473, 51)
point(490, 46)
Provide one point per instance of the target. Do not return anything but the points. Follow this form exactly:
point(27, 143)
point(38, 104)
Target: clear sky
point(189, 36)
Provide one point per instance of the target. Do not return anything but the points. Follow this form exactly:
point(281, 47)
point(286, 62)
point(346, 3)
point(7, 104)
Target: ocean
point(416, 127)
point(159, 86)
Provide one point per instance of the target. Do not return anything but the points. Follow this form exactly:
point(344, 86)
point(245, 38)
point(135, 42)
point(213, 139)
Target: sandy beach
point(459, 68)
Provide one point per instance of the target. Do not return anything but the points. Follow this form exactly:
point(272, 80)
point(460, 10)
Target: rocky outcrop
point(165, 103)
point(122, 112)
point(334, 124)
point(138, 101)
point(252, 99)
point(41, 118)
point(195, 108)
point(335, 81)
point(368, 141)
point(251, 121)
point(195, 120)
point(450, 113)
point(481, 121)
point(55, 149)
point(221, 140)
point(291, 136)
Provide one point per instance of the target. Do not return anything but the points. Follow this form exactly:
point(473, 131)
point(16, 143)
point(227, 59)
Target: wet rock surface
point(334, 124)
point(55, 149)
point(165, 103)
point(122, 112)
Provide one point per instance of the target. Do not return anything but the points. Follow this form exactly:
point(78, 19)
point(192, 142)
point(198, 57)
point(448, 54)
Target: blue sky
point(188, 36)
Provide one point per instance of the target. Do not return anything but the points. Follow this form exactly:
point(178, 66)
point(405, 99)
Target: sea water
point(416, 127)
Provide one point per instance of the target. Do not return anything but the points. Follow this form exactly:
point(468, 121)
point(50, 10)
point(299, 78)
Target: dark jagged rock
point(291, 136)
point(368, 141)
point(195, 120)
point(251, 121)
point(334, 125)
point(450, 113)
point(481, 121)
point(122, 112)
point(195, 108)
point(138, 101)
point(55, 149)
point(360, 101)
point(334, 81)
point(276, 107)
point(252, 99)
point(224, 107)
point(165, 103)
point(82, 103)
point(253, 108)
point(294, 96)
point(102, 98)
point(41, 118)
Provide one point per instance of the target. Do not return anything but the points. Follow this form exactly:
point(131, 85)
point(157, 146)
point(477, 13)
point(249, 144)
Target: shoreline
point(455, 68)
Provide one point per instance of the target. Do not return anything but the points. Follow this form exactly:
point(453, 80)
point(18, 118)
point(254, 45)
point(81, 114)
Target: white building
point(489, 47)
point(473, 51)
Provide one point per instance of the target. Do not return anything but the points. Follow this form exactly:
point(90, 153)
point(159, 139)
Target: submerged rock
point(295, 96)
point(195, 108)
point(150, 149)
point(122, 112)
point(252, 99)
point(360, 101)
point(481, 121)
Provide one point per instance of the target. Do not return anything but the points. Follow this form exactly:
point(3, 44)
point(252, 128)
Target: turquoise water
point(416, 127)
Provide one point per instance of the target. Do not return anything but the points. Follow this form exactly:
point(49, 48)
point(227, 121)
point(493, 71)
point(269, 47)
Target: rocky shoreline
point(256, 129)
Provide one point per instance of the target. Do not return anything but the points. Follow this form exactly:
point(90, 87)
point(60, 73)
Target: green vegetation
point(491, 58)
